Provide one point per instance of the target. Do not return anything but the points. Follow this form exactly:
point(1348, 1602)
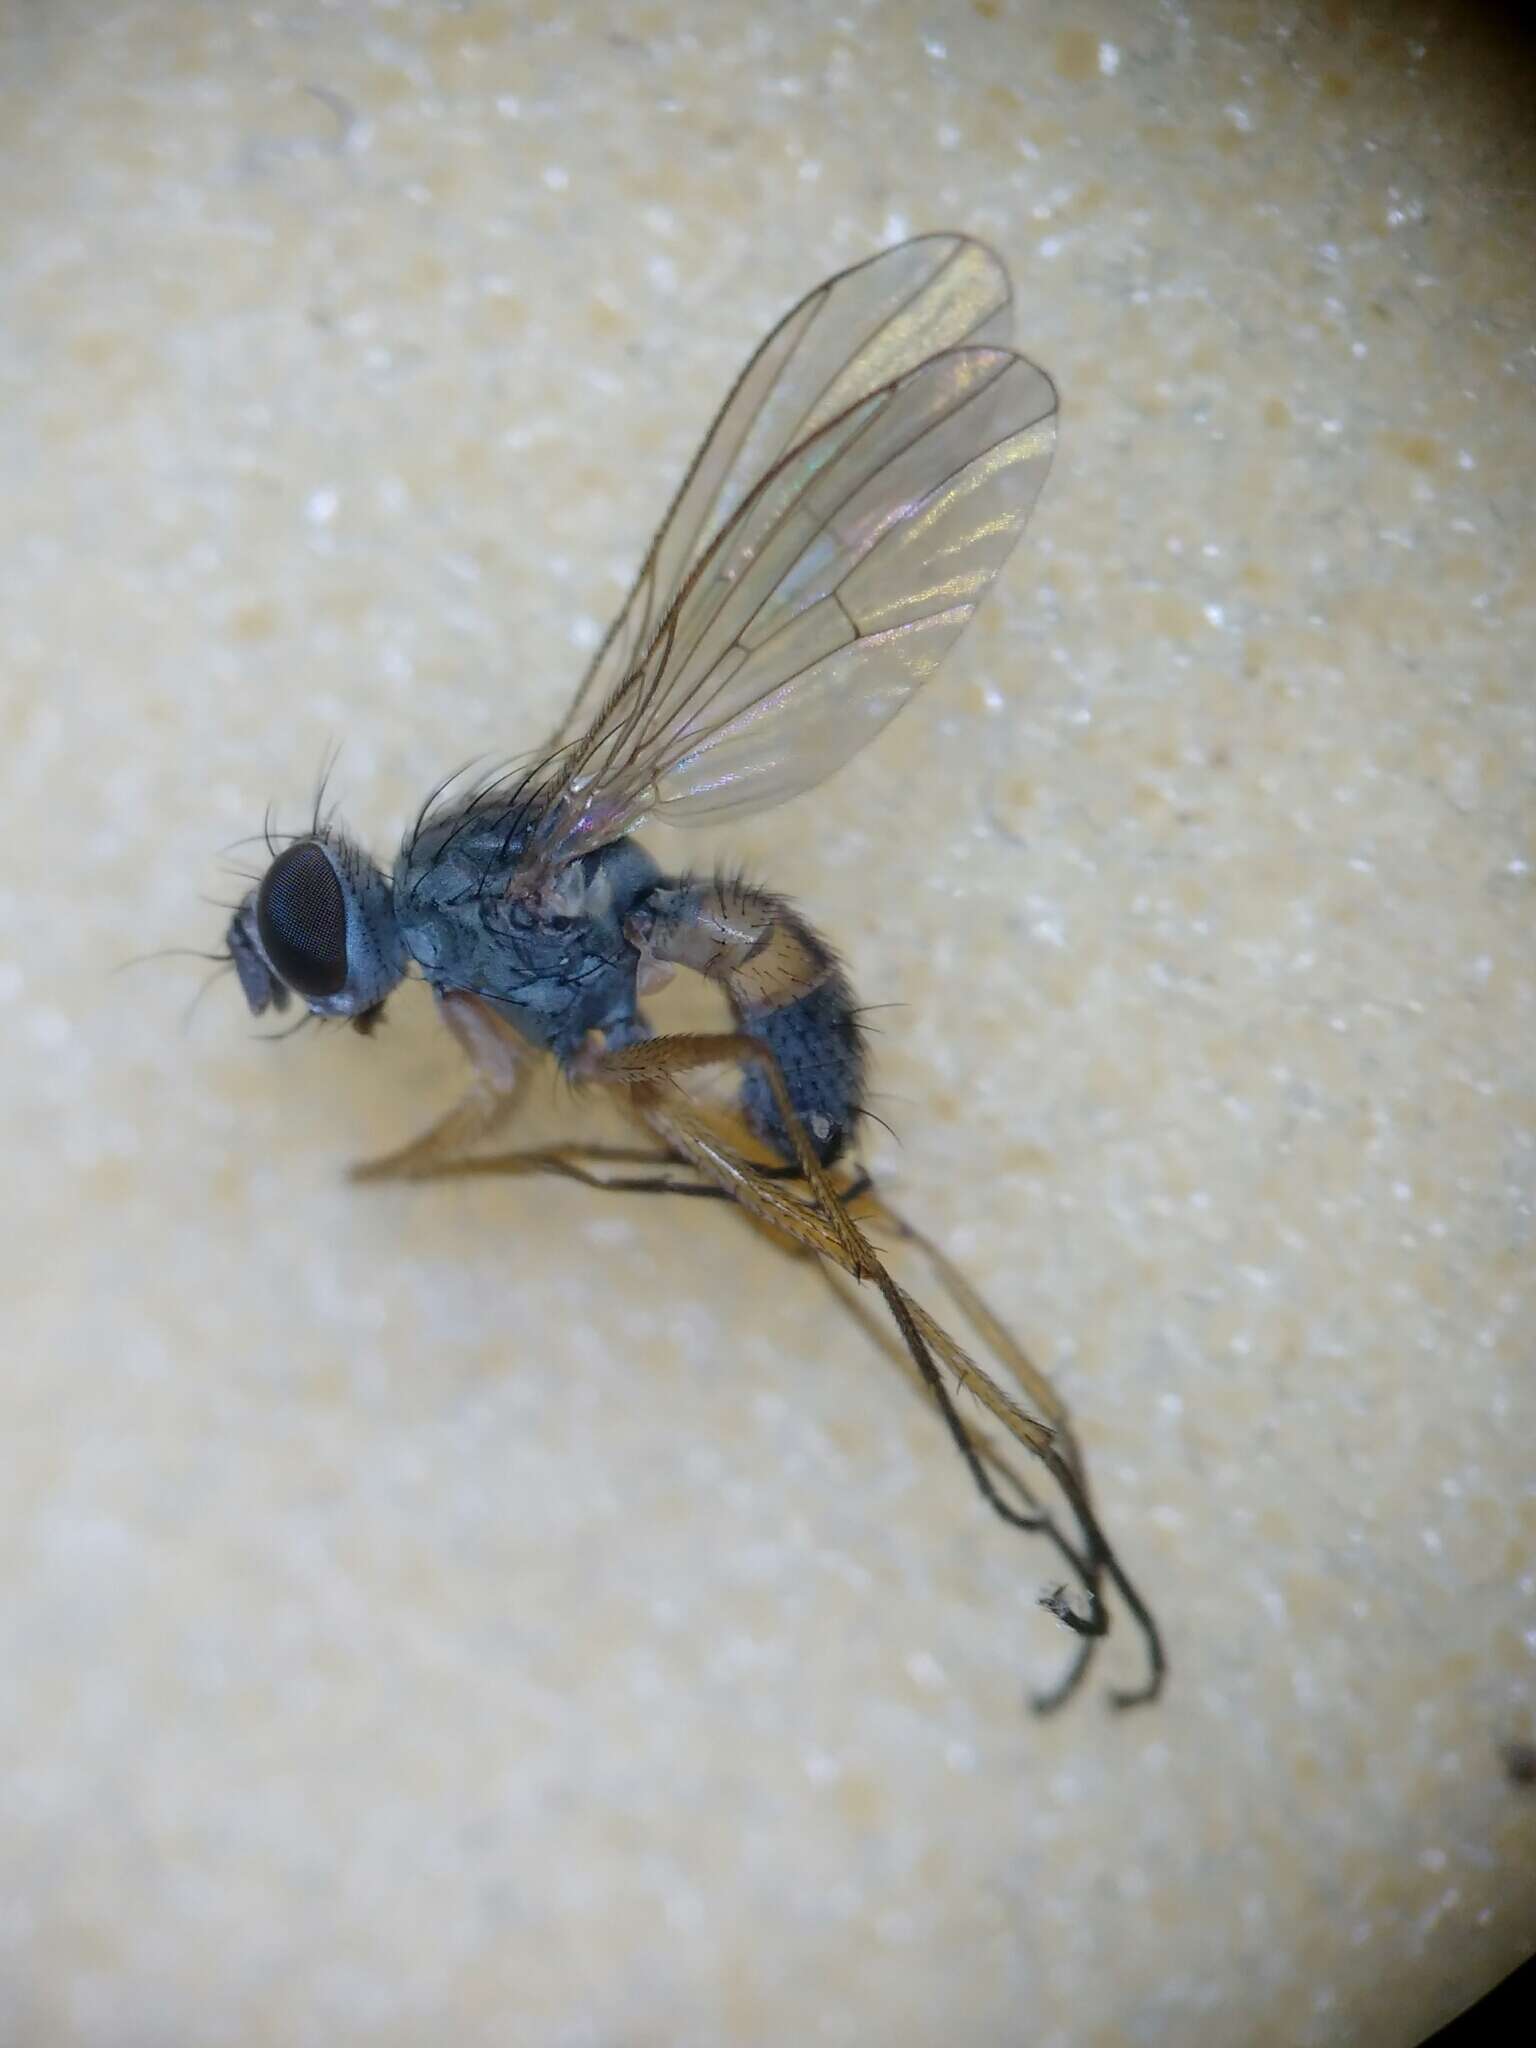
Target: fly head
point(320, 925)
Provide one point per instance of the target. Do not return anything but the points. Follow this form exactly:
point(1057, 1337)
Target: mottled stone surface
point(479, 1615)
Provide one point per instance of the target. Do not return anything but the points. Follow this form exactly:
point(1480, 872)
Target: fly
point(863, 484)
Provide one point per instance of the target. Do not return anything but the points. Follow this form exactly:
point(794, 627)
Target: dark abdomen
point(820, 1050)
point(785, 986)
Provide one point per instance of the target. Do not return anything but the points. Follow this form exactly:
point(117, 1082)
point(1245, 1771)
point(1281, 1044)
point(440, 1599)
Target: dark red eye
point(302, 919)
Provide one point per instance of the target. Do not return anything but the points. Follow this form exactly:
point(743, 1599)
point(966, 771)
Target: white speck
point(1432, 1859)
point(1050, 247)
point(925, 1670)
point(1240, 117)
point(809, 171)
point(12, 981)
point(822, 1769)
point(959, 1756)
point(897, 227)
point(508, 105)
point(1431, 1540)
point(584, 633)
point(48, 1028)
point(1215, 615)
point(1403, 1190)
point(322, 507)
point(947, 135)
point(464, 567)
point(1465, 459)
point(396, 663)
point(684, 1910)
point(1109, 59)
point(935, 49)
point(662, 272)
point(556, 177)
point(1171, 1404)
point(1331, 426)
point(609, 1231)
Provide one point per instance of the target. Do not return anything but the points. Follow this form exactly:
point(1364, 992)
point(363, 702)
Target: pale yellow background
point(477, 1615)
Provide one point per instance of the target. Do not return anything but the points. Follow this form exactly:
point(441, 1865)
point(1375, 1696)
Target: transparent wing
point(824, 602)
point(848, 338)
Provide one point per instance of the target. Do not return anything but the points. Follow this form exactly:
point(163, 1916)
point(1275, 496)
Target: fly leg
point(590, 1166)
point(824, 1225)
point(499, 1068)
point(614, 1169)
point(1042, 1396)
point(643, 1068)
point(824, 1228)
point(1002, 1470)
point(1032, 1382)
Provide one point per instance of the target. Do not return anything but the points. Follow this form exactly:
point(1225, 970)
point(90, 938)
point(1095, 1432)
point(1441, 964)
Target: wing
point(844, 340)
point(832, 589)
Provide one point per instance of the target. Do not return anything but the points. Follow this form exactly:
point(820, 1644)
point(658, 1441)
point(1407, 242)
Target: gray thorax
point(557, 969)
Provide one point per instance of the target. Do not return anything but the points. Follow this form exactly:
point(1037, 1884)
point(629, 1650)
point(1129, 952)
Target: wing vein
point(868, 474)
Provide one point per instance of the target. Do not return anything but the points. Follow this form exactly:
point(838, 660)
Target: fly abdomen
point(785, 987)
point(820, 1050)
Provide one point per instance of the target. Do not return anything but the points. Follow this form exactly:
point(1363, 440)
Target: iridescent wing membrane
point(863, 484)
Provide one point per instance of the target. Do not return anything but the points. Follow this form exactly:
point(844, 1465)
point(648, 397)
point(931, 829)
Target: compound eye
point(301, 916)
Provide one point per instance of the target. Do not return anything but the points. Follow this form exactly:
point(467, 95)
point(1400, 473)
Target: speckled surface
point(473, 1614)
